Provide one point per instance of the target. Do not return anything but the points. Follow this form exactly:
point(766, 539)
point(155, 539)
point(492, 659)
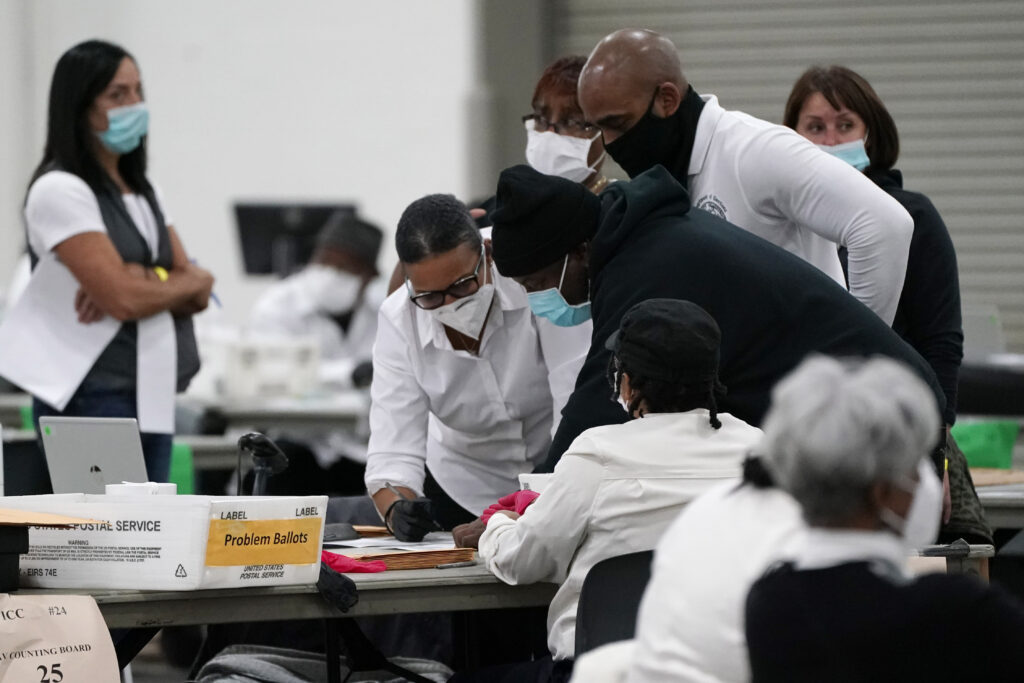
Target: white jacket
point(690, 627)
point(286, 309)
point(615, 491)
point(771, 181)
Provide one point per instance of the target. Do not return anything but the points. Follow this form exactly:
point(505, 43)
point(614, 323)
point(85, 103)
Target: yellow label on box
point(234, 542)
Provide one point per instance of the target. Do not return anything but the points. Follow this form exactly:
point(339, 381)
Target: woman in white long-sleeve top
point(467, 387)
point(618, 487)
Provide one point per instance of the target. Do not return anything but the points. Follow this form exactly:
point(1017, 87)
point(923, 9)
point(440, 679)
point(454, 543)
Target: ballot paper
point(43, 347)
point(435, 540)
point(46, 351)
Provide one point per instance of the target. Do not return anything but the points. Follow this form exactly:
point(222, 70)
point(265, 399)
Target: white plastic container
point(155, 542)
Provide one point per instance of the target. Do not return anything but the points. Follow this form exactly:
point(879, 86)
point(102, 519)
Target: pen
point(453, 565)
point(213, 295)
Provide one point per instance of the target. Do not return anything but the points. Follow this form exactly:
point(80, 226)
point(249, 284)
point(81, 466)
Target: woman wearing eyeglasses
point(467, 387)
point(559, 141)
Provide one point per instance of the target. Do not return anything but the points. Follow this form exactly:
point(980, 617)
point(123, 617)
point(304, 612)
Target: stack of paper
point(419, 559)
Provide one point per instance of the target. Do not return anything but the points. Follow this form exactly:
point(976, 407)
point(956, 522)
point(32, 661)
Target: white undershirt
point(61, 205)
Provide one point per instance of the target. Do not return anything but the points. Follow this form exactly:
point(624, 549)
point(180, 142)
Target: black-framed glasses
point(574, 127)
point(463, 287)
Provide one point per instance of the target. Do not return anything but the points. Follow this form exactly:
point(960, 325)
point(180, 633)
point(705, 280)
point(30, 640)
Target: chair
point(610, 600)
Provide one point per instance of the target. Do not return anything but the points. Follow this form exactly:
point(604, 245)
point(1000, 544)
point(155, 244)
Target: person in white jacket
point(618, 487)
point(334, 300)
point(467, 386)
point(760, 176)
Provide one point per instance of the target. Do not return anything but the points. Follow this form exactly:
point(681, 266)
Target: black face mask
point(654, 140)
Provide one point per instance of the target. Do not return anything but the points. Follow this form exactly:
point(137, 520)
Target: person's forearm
point(142, 297)
point(383, 498)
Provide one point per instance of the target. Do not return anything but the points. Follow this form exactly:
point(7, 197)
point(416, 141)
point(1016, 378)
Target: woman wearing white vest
point(103, 328)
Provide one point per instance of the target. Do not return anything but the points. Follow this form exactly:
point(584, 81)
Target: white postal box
point(174, 542)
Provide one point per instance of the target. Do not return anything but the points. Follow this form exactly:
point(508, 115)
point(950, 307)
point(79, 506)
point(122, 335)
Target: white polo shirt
point(477, 421)
point(771, 181)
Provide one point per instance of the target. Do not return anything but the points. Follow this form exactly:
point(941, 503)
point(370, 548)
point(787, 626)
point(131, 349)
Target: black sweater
point(773, 308)
point(928, 315)
point(852, 624)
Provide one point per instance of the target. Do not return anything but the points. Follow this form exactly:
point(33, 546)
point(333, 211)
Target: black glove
point(362, 375)
point(410, 520)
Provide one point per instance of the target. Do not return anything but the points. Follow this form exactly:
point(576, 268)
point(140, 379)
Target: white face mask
point(622, 401)
point(560, 155)
point(332, 290)
point(921, 526)
point(468, 314)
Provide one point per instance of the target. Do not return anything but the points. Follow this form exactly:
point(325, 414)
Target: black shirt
point(928, 315)
point(773, 308)
point(853, 623)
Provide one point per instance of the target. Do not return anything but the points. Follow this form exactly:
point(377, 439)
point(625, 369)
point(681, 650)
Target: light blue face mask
point(127, 126)
point(552, 305)
point(853, 153)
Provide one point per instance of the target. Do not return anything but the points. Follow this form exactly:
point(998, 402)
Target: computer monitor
point(279, 237)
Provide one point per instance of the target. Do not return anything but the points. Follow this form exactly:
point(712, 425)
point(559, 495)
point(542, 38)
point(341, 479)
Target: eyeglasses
point(574, 127)
point(463, 287)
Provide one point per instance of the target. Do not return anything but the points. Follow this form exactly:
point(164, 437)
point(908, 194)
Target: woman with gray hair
point(850, 442)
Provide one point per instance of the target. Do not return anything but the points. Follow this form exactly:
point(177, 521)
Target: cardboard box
point(174, 542)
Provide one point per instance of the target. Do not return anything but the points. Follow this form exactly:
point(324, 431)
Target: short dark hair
point(81, 74)
point(845, 87)
point(560, 78)
point(434, 224)
point(665, 397)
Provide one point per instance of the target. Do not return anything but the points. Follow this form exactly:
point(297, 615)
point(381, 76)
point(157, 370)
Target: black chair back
point(610, 600)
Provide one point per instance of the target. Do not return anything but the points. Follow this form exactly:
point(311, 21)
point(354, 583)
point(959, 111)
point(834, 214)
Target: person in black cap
point(641, 240)
point(618, 487)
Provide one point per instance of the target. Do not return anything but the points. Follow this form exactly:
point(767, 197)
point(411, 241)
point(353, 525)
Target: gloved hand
point(410, 520)
point(514, 502)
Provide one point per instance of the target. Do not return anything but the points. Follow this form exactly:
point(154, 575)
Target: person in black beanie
point(641, 240)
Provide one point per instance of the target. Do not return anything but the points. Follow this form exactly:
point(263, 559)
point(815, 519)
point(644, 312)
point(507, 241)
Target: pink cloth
point(516, 502)
point(348, 565)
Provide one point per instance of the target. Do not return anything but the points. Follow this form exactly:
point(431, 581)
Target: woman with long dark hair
point(104, 328)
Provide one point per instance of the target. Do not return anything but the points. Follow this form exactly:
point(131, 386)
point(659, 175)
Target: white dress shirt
point(690, 627)
point(771, 181)
point(477, 421)
point(614, 492)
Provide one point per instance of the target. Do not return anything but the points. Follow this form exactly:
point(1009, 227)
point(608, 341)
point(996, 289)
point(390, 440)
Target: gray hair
point(837, 427)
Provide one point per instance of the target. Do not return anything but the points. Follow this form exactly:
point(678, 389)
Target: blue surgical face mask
point(552, 305)
point(126, 127)
point(853, 153)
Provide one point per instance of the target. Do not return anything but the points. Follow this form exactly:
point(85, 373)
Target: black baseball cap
point(668, 339)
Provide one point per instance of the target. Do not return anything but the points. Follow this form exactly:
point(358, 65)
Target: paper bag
point(54, 639)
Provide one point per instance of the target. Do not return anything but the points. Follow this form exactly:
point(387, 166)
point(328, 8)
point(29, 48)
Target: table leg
point(131, 643)
point(332, 652)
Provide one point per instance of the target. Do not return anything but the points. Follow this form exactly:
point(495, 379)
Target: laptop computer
point(84, 454)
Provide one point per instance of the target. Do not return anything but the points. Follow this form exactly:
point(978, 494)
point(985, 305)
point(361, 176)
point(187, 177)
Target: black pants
point(447, 512)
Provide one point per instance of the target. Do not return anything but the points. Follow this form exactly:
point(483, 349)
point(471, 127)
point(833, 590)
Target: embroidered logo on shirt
point(712, 204)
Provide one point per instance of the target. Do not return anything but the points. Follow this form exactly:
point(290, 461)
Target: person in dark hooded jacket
point(642, 240)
